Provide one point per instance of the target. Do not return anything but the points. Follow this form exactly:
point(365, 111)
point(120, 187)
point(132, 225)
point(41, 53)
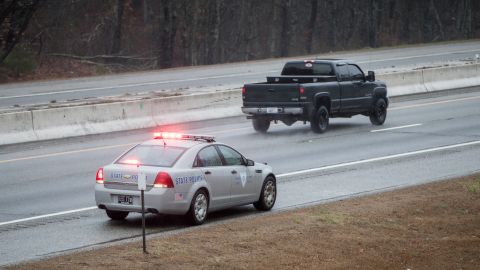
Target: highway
point(206, 78)
point(424, 139)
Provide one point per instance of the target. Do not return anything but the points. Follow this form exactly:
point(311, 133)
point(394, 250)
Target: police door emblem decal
point(243, 177)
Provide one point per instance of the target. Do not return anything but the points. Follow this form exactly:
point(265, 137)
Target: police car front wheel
point(268, 195)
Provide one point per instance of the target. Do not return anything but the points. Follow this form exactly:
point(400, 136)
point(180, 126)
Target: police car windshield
point(152, 155)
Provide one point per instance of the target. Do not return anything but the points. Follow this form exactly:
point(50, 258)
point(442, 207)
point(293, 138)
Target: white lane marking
point(47, 215)
point(214, 77)
point(429, 150)
point(432, 103)
point(393, 128)
point(139, 84)
point(67, 152)
point(363, 161)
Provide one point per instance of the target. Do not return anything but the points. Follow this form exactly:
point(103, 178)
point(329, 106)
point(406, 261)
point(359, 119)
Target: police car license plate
point(125, 199)
point(272, 110)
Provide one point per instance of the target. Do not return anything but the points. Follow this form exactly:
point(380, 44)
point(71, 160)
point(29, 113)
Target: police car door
point(209, 162)
point(243, 186)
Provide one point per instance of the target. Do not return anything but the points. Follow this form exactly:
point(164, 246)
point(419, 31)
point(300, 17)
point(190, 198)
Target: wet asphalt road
point(423, 140)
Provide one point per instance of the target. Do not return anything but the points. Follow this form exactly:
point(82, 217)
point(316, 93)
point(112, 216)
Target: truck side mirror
point(371, 76)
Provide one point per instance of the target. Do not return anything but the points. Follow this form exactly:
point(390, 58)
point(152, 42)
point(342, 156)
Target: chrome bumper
point(280, 110)
point(160, 199)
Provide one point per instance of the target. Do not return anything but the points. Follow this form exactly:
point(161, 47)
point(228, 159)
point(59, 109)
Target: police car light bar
point(179, 136)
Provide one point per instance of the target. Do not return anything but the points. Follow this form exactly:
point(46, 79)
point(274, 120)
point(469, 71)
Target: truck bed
point(271, 93)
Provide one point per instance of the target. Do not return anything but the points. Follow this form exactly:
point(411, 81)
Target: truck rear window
point(307, 69)
point(152, 155)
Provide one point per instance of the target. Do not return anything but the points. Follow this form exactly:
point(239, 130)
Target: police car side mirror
point(250, 162)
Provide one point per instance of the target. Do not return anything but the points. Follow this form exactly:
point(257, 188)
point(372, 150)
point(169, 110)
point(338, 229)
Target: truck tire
point(379, 112)
point(261, 124)
point(320, 119)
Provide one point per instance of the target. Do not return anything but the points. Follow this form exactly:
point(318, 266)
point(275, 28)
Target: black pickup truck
point(314, 91)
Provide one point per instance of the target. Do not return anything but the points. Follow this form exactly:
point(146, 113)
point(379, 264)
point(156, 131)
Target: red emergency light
point(180, 136)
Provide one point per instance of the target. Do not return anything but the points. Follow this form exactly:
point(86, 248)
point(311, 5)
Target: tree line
point(148, 34)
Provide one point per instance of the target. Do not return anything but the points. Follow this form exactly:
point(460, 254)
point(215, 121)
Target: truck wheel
point(260, 124)
point(379, 112)
point(319, 121)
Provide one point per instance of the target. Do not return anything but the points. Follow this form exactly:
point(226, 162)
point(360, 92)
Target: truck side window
point(343, 73)
point(356, 73)
point(323, 69)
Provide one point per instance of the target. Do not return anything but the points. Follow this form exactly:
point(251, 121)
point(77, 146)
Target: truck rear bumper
point(273, 110)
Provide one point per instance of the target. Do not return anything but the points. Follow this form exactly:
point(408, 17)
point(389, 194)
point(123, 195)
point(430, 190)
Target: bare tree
point(311, 25)
point(117, 27)
point(15, 16)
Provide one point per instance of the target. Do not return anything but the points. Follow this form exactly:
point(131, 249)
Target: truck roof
point(324, 60)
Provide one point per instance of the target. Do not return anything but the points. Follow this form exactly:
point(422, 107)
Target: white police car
point(185, 175)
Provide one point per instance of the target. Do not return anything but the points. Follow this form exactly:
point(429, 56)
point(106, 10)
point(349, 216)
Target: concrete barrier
point(403, 83)
point(91, 119)
point(16, 127)
point(431, 79)
point(107, 117)
point(197, 107)
point(438, 79)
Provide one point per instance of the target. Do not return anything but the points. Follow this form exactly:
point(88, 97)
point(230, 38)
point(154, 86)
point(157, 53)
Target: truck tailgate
point(266, 93)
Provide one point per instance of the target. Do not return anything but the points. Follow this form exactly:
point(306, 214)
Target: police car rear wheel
point(116, 215)
point(268, 195)
point(198, 208)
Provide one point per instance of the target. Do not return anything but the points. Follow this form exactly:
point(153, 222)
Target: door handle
point(234, 172)
point(208, 172)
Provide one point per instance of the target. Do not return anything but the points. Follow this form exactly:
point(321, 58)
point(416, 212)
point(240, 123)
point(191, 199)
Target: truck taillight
point(244, 90)
point(163, 180)
point(99, 177)
point(301, 90)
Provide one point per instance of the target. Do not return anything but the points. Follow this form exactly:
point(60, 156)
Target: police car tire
point(320, 120)
point(191, 215)
point(262, 204)
point(260, 124)
point(379, 112)
point(116, 215)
